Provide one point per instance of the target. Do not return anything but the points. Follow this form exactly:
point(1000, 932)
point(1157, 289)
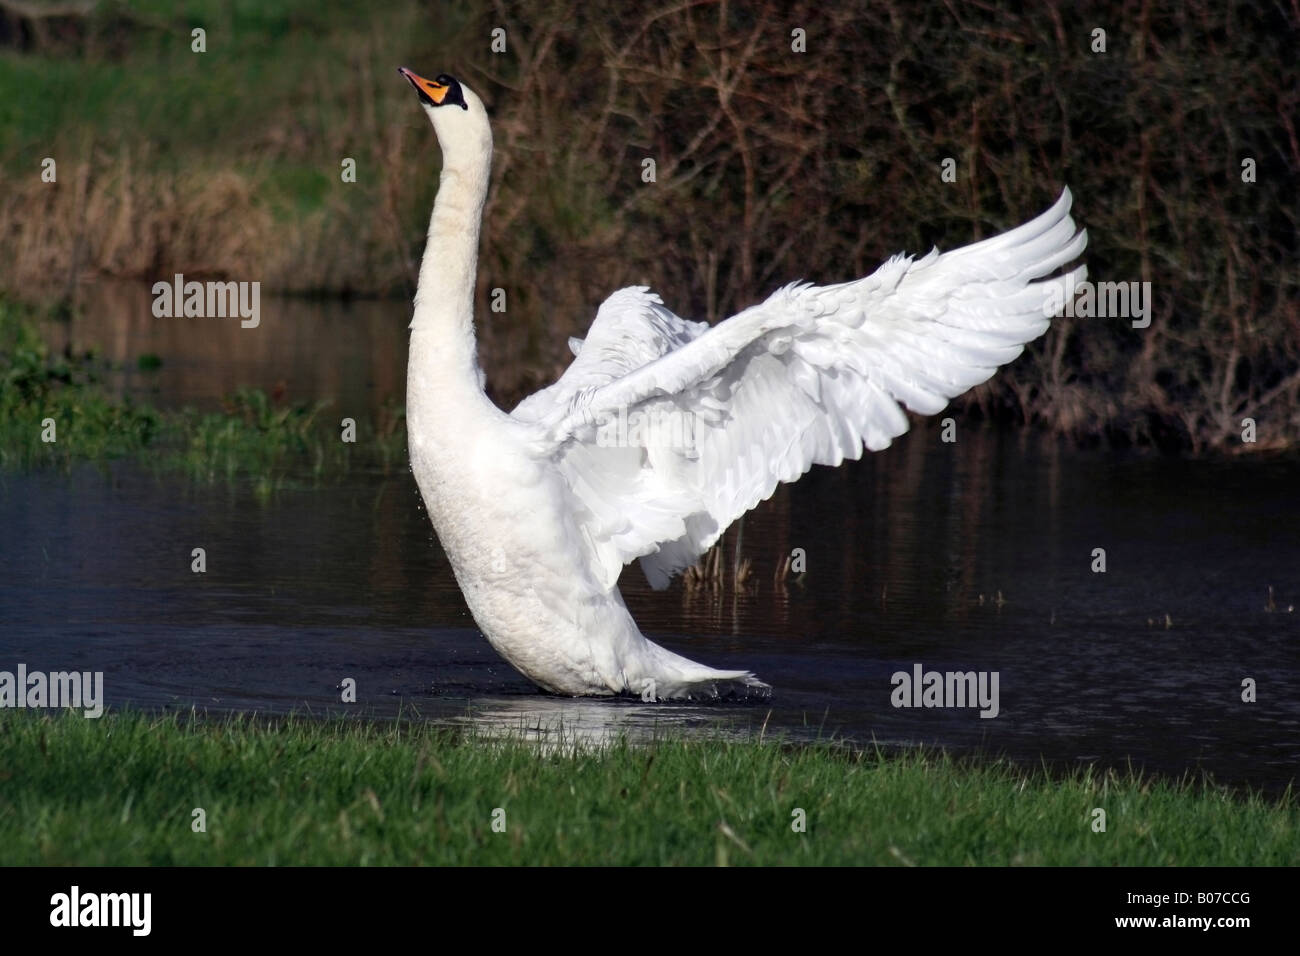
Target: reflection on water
point(351, 352)
point(563, 725)
point(973, 556)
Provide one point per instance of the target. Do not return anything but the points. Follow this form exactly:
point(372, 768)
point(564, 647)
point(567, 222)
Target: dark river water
point(973, 556)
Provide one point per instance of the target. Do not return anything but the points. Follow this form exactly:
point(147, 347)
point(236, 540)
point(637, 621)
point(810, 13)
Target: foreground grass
point(123, 789)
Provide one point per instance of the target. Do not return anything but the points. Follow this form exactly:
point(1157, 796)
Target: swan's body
point(538, 510)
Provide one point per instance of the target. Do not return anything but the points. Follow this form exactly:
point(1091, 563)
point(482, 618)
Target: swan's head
point(458, 115)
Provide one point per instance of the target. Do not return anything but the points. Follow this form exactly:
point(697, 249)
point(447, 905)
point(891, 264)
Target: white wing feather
point(807, 377)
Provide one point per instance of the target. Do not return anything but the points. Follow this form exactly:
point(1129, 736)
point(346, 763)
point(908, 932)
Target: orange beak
point(430, 90)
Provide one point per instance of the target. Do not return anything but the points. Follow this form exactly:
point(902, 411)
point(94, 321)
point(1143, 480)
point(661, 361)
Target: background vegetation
point(771, 165)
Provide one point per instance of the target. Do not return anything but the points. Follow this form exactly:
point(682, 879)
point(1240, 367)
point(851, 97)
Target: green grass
point(122, 790)
point(252, 437)
point(143, 76)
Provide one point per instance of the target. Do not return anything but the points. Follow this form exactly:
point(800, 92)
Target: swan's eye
point(453, 94)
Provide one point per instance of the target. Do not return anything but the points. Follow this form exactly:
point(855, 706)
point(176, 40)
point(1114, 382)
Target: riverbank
point(54, 411)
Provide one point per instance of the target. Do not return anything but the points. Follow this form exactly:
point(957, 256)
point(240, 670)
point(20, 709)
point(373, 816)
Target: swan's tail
point(664, 675)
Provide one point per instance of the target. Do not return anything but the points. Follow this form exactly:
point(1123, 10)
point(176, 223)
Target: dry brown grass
point(114, 217)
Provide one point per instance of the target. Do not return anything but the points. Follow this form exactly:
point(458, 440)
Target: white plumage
point(663, 431)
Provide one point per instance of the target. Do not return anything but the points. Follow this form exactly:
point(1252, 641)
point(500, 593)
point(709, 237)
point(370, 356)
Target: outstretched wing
point(666, 430)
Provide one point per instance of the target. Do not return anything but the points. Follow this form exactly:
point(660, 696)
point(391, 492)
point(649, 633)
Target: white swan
point(539, 510)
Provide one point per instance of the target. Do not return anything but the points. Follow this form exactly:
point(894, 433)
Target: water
point(350, 353)
point(907, 553)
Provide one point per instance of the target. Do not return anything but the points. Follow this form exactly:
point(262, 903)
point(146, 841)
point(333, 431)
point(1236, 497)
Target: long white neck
point(442, 327)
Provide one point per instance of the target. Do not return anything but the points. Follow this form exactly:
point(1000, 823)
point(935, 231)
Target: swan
point(538, 510)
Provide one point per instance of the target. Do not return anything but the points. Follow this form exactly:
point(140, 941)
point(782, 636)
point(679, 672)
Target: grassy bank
point(61, 396)
point(771, 164)
point(123, 790)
